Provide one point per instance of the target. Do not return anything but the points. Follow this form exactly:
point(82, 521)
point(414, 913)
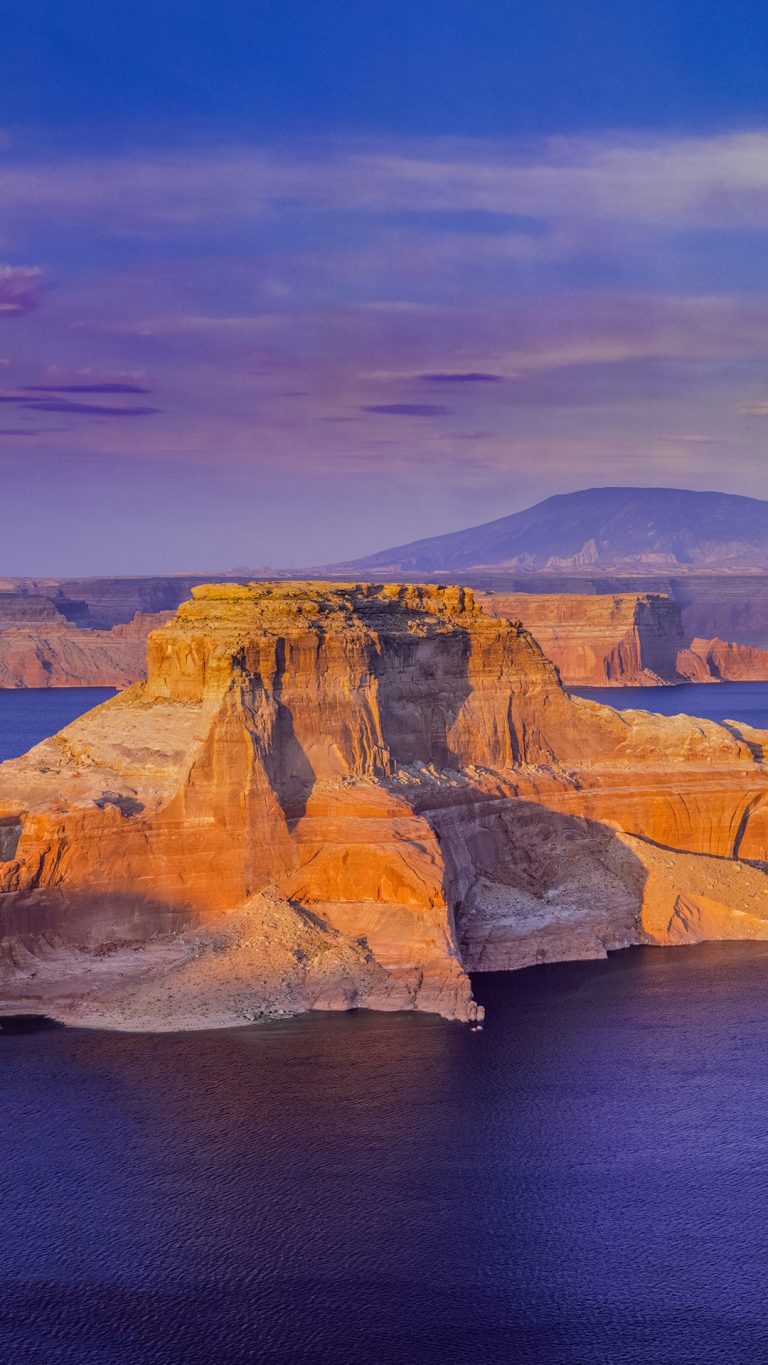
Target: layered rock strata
point(725, 606)
point(605, 640)
point(721, 661)
point(624, 639)
point(45, 650)
point(328, 795)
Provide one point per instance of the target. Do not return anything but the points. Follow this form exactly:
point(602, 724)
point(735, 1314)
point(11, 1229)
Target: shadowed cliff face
point(330, 794)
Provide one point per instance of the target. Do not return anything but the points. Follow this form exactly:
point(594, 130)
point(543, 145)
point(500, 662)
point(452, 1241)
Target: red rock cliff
point(624, 640)
point(46, 651)
point(606, 640)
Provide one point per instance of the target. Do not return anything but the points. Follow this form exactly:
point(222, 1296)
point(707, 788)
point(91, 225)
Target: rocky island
point(336, 794)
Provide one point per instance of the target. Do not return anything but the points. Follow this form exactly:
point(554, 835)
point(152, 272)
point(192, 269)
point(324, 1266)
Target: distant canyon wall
point(725, 606)
point(40, 648)
point(599, 630)
point(101, 603)
point(620, 640)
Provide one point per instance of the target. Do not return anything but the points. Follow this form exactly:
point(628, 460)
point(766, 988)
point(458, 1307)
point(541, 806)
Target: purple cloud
point(91, 409)
point(407, 409)
point(85, 388)
point(560, 364)
point(20, 288)
point(470, 377)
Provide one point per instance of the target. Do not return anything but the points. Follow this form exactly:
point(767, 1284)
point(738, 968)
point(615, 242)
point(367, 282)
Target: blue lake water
point(715, 701)
point(30, 714)
point(584, 1182)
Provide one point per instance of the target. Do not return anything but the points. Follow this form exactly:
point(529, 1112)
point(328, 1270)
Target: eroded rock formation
point(327, 794)
point(624, 639)
point(718, 661)
point(600, 641)
point(40, 648)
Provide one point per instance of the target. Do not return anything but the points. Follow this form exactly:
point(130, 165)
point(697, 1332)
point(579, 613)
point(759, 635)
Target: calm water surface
point(584, 1181)
point(30, 714)
point(715, 701)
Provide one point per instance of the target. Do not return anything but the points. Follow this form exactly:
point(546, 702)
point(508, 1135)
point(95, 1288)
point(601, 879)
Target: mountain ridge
point(612, 528)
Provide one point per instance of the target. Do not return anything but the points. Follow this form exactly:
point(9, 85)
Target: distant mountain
point(598, 528)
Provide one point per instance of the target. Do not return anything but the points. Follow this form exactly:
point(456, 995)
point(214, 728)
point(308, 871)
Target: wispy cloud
point(406, 409)
point(707, 180)
point(25, 400)
point(85, 388)
point(569, 303)
point(88, 409)
point(20, 288)
point(469, 377)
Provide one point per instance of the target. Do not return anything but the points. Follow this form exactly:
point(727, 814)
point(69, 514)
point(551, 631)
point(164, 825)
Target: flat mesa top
point(288, 604)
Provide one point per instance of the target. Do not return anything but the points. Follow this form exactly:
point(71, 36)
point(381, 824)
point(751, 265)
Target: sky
point(287, 282)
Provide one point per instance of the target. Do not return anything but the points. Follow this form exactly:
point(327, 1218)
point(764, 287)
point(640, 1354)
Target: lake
point(584, 1182)
point(29, 714)
point(715, 701)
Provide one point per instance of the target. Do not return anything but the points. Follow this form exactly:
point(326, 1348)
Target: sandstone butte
point(39, 647)
point(92, 632)
point(329, 795)
point(624, 639)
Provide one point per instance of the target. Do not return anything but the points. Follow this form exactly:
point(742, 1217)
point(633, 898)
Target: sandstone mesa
point(327, 795)
point(599, 631)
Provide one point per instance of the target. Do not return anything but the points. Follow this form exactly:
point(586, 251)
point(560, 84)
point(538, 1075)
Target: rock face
point(328, 794)
point(726, 606)
point(45, 650)
point(101, 603)
point(715, 606)
point(620, 640)
point(27, 609)
point(716, 660)
point(600, 641)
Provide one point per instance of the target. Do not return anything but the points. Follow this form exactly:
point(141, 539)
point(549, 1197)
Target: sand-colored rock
point(329, 794)
point(599, 645)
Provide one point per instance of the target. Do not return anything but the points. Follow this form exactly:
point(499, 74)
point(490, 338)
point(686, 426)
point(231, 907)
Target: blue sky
point(283, 283)
point(104, 73)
